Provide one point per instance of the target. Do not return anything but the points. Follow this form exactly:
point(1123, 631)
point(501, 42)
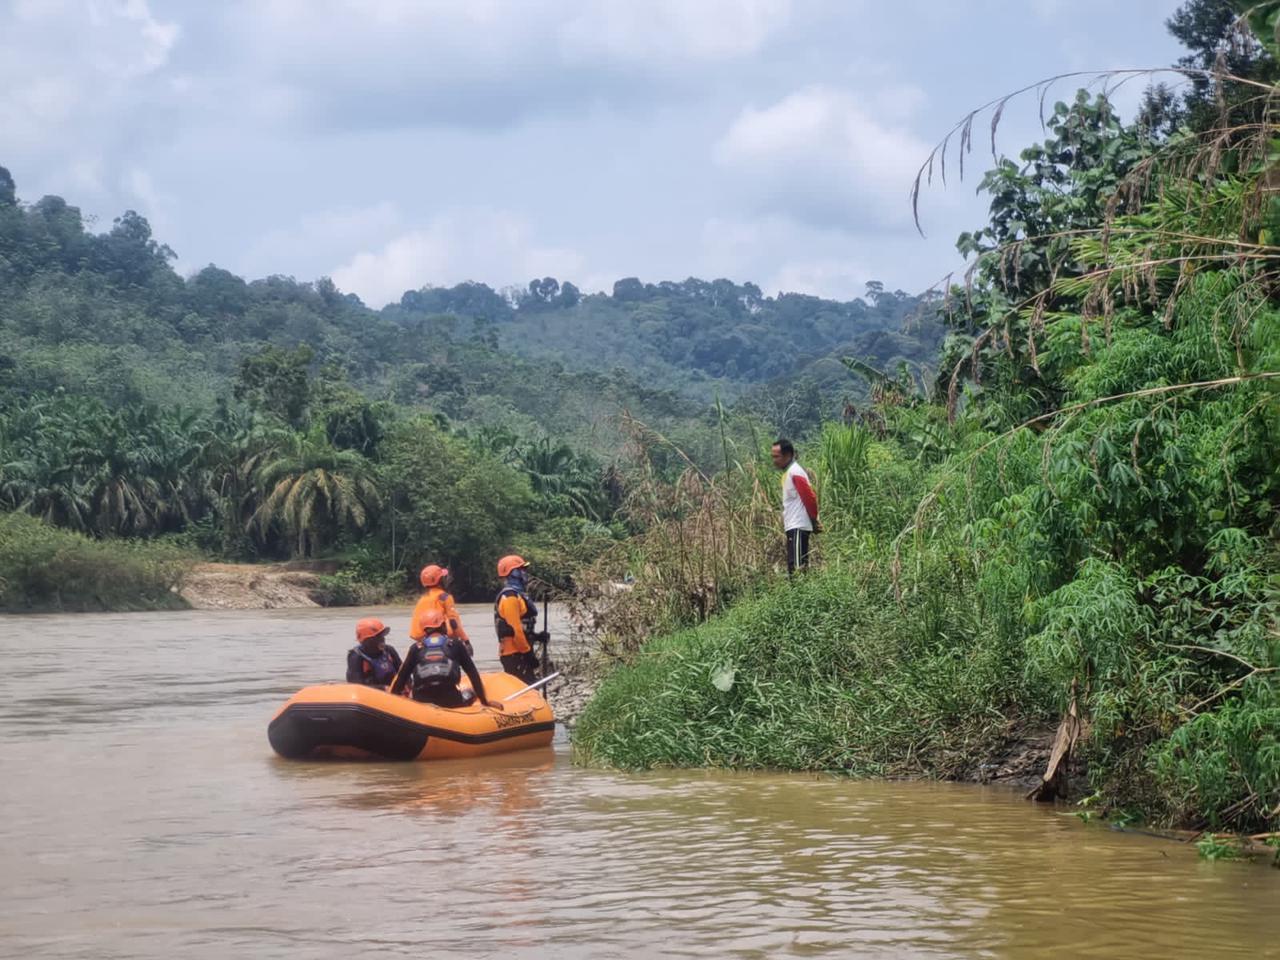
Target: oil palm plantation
point(313, 493)
point(569, 483)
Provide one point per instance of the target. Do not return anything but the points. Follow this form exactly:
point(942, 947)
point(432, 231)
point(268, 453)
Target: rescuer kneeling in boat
point(514, 616)
point(372, 661)
point(435, 597)
point(435, 664)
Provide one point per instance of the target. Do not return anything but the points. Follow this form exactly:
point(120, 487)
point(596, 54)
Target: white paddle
point(532, 686)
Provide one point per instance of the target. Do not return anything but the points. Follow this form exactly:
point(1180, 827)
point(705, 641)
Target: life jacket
point(434, 598)
point(510, 639)
point(382, 668)
point(435, 668)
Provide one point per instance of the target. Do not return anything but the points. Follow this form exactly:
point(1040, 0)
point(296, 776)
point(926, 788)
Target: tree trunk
point(1054, 783)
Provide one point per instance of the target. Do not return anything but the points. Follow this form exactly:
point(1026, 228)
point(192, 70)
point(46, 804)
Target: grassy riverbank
point(1076, 522)
point(826, 674)
point(1121, 565)
point(47, 569)
point(43, 568)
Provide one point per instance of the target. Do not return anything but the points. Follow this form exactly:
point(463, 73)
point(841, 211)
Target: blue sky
point(392, 144)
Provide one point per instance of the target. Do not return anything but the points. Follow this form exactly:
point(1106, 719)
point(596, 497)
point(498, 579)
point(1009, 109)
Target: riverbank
point(813, 676)
point(570, 693)
point(824, 675)
point(255, 586)
point(47, 569)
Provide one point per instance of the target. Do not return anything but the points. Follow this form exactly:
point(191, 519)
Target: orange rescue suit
point(512, 609)
point(435, 598)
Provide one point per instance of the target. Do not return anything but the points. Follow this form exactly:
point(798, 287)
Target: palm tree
point(313, 491)
point(122, 492)
point(47, 490)
point(43, 449)
point(181, 470)
point(498, 441)
point(557, 474)
point(233, 449)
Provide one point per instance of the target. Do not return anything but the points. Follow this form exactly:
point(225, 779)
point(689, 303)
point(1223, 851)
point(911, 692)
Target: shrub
point(45, 568)
point(828, 673)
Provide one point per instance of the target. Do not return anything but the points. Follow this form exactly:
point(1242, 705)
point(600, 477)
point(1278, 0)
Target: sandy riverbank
point(254, 586)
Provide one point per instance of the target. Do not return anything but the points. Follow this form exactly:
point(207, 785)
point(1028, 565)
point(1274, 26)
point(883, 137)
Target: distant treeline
point(105, 315)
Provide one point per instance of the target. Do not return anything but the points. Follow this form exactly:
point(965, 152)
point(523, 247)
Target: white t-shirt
point(794, 514)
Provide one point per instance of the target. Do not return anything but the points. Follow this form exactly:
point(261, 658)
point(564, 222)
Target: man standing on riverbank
point(799, 505)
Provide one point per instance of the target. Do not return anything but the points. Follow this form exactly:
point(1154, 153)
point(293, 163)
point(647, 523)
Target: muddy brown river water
point(144, 815)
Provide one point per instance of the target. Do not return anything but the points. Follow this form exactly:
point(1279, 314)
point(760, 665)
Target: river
point(145, 816)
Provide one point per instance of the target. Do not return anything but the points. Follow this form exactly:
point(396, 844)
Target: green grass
point(824, 674)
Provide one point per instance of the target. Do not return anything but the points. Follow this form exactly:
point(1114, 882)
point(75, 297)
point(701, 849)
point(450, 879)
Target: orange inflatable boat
point(346, 721)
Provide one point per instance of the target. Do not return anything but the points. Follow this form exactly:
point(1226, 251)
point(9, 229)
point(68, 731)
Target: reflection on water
point(147, 817)
point(509, 785)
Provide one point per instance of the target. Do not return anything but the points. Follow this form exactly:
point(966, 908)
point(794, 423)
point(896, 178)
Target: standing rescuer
point(372, 661)
point(514, 617)
point(435, 597)
point(799, 505)
point(434, 665)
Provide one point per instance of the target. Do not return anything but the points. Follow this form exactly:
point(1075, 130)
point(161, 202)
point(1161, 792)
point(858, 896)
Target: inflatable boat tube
point(346, 721)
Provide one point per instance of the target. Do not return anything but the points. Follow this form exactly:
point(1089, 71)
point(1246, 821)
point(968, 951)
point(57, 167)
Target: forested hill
point(105, 314)
point(695, 335)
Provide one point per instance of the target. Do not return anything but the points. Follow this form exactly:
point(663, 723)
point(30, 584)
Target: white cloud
point(491, 32)
point(821, 155)
point(476, 63)
point(836, 279)
point(474, 244)
point(85, 176)
point(326, 235)
point(138, 186)
point(30, 109)
point(141, 43)
point(671, 30)
point(68, 65)
point(339, 33)
point(784, 255)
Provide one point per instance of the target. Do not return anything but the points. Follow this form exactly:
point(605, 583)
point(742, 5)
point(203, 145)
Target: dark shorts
point(443, 696)
point(797, 550)
point(522, 665)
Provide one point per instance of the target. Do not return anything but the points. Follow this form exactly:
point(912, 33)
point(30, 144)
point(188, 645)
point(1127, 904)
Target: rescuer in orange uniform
point(434, 665)
point(435, 597)
point(514, 616)
point(372, 661)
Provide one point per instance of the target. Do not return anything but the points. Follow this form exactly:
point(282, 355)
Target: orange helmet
point(432, 574)
point(509, 563)
point(432, 620)
point(369, 628)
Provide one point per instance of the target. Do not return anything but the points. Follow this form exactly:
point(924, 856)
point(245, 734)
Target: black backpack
point(435, 667)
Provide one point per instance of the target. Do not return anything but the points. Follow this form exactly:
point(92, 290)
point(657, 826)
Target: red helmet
point(369, 628)
point(432, 620)
point(509, 563)
point(432, 574)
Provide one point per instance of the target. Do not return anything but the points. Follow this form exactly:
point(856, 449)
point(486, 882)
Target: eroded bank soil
point(254, 586)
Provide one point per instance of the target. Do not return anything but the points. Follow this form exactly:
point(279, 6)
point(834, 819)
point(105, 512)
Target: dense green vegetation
point(1082, 516)
point(1074, 511)
point(273, 419)
point(387, 490)
point(105, 315)
point(44, 568)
